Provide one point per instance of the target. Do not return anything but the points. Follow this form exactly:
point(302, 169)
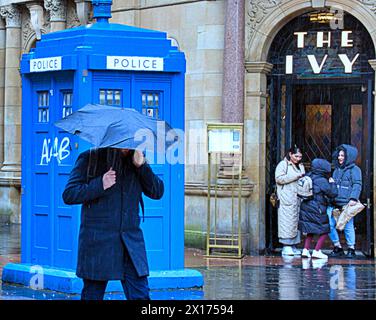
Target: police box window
point(43, 106)
point(67, 97)
point(111, 97)
point(150, 104)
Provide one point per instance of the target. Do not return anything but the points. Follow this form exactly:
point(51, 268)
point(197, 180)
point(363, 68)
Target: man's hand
point(109, 179)
point(352, 203)
point(138, 158)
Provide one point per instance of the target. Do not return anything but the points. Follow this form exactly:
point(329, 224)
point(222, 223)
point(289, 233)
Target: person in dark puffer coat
point(348, 178)
point(313, 218)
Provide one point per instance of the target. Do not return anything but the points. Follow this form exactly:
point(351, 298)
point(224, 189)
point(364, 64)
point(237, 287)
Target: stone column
point(12, 95)
point(2, 81)
point(373, 65)
point(10, 173)
point(255, 147)
point(58, 13)
point(233, 63)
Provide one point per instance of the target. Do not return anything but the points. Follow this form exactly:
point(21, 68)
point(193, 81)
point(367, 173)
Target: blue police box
point(109, 64)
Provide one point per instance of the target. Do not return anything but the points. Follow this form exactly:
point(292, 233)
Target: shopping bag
point(347, 213)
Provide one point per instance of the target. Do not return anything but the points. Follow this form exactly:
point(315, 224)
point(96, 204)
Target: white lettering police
point(45, 64)
point(134, 63)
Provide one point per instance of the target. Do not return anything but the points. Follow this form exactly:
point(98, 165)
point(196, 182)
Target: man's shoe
point(337, 252)
point(287, 251)
point(319, 255)
point(351, 253)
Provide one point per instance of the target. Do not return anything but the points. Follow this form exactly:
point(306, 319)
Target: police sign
point(45, 64)
point(134, 63)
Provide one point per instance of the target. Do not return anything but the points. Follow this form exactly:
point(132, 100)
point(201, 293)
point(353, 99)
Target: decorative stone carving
point(12, 16)
point(57, 9)
point(258, 10)
point(318, 3)
point(36, 18)
point(72, 17)
point(28, 32)
point(369, 3)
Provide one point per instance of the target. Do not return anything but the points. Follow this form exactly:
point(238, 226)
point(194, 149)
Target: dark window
point(150, 103)
point(43, 106)
point(67, 103)
point(110, 97)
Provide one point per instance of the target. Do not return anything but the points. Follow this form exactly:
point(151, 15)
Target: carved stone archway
point(264, 19)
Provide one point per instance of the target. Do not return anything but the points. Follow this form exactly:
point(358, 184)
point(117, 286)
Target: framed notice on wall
point(225, 137)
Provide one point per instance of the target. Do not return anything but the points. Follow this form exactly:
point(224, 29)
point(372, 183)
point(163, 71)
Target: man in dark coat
point(313, 218)
point(348, 178)
point(109, 184)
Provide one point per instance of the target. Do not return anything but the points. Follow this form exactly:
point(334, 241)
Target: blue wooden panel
point(41, 237)
point(41, 195)
point(51, 160)
point(156, 227)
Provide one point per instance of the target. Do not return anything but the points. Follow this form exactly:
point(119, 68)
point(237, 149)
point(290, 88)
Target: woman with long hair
point(287, 174)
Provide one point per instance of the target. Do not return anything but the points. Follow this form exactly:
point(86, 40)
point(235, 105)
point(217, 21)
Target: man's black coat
point(110, 222)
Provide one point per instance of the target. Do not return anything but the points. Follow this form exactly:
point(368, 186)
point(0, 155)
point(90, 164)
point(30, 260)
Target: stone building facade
point(226, 43)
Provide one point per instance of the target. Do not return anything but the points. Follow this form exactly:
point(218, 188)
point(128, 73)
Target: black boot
point(337, 252)
point(351, 253)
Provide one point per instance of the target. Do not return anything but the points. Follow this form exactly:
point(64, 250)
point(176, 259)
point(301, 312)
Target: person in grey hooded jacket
point(348, 178)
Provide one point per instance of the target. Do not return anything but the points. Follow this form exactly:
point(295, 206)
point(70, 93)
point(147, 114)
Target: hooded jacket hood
point(351, 153)
point(321, 166)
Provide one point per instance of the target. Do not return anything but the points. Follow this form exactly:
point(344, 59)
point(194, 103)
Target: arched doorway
point(320, 96)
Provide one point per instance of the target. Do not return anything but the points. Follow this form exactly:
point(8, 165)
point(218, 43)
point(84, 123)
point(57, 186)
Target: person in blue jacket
point(348, 178)
point(313, 219)
point(109, 184)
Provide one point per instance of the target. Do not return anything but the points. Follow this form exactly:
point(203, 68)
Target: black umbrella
point(105, 126)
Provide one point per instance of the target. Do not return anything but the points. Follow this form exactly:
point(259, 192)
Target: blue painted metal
point(49, 227)
point(65, 280)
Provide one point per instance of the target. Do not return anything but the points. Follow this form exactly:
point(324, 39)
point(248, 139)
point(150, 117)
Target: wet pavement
point(269, 277)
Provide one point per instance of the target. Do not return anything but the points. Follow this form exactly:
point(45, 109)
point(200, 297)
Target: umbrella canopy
point(105, 126)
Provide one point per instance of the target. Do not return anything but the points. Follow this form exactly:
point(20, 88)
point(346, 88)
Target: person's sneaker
point(337, 252)
point(305, 253)
point(287, 251)
point(319, 255)
point(350, 253)
point(297, 252)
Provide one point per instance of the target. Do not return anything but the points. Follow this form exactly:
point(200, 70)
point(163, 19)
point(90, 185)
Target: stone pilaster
point(255, 147)
point(12, 94)
point(233, 63)
point(83, 10)
point(373, 65)
point(2, 82)
point(10, 173)
point(58, 13)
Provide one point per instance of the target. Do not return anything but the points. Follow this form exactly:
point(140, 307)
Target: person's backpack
point(305, 188)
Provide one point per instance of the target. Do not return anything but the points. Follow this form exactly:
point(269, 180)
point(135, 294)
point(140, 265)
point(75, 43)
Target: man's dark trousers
point(135, 287)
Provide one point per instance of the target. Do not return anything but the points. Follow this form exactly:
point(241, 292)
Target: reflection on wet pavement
point(254, 278)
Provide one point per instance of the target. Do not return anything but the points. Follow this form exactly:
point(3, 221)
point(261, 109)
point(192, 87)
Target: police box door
point(51, 159)
point(150, 95)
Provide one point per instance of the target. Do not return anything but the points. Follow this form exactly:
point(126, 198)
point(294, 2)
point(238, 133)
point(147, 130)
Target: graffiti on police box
point(54, 149)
